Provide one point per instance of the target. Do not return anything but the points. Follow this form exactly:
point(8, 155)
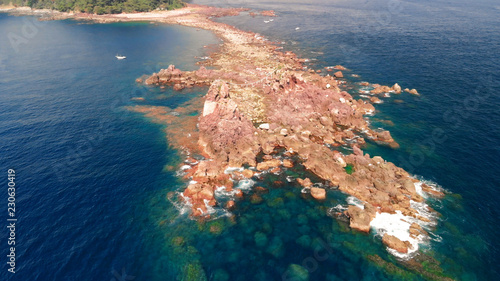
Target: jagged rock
point(396, 88)
point(338, 74)
point(394, 243)
point(416, 230)
point(359, 218)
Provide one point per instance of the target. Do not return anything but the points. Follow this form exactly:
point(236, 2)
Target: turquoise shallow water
point(93, 191)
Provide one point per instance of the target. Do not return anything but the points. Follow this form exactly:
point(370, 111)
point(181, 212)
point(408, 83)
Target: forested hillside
point(98, 6)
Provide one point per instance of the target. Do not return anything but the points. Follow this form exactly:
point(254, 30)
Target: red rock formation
point(225, 134)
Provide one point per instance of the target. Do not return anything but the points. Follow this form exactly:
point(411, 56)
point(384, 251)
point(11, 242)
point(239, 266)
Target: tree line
point(99, 6)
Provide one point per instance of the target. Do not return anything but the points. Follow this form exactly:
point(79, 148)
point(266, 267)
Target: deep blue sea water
point(86, 168)
point(92, 188)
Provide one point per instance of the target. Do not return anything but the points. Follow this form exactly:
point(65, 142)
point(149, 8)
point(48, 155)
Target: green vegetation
point(349, 169)
point(99, 6)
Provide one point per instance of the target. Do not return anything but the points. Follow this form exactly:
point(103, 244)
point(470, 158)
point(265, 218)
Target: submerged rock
point(194, 272)
point(221, 275)
point(276, 248)
point(260, 239)
point(296, 272)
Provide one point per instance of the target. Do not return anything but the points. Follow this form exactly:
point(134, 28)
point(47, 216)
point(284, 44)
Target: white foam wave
point(423, 210)
point(221, 192)
point(351, 200)
point(210, 209)
point(397, 225)
point(230, 170)
point(434, 186)
point(245, 184)
point(185, 167)
point(339, 208)
point(183, 206)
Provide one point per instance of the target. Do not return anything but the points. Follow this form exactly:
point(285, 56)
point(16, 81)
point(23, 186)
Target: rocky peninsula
point(265, 111)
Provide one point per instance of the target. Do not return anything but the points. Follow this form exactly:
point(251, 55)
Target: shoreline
point(262, 100)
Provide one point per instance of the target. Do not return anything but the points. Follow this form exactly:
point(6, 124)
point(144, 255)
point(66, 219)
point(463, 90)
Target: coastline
point(258, 105)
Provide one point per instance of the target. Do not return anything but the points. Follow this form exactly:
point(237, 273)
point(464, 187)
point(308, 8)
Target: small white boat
point(266, 21)
point(297, 28)
point(120, 57)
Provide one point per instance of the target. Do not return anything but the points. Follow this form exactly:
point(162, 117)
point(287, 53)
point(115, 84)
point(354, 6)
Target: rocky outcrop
point(318, 193)
point(359, 218)
point(305, 182)
point(412, 91)
point(269, 164)
point(226, 135)
point(338, 74)
point(180, 79)
point(396, 88)
point(263, 101)
point(394, 243)
point(380, 90)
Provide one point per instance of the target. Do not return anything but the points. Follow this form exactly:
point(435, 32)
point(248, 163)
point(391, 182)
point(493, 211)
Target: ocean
point(92, 178)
